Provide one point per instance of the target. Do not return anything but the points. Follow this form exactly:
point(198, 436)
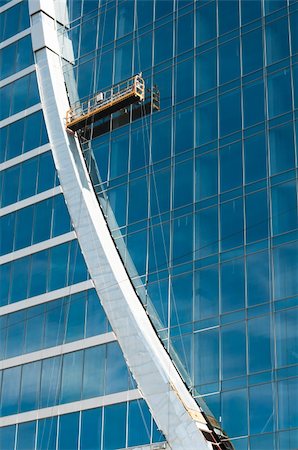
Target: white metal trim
point(172, 406)
point(15, 37)
point(9, 5)
point(30, 200)
point(95, 402)
point(17, 75)
point(20, 115)
point(24, 156)
point(58, 350)
point(49, 243)
point(46, 297)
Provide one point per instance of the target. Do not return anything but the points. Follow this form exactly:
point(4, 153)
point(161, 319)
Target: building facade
point(200, 198)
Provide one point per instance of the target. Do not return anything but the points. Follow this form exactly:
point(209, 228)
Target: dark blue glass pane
point(47, 431)
point(91, 429)
point(68, 432)
point(50, 382)
point(114, 419)
point(139, 423)
point(231, 224)
point(94, 371)
point(116, 370)
point(233, 350)
point(260, 352)
point(234, 413)
point(258, 278)
point(7, 437)
point(230, 113)
point(232, 285)
point(26, 436)
point(30, 386)
point(10, 391)
point(71, 382)
point(206, 301)
point(261, 408)
point(252, 48)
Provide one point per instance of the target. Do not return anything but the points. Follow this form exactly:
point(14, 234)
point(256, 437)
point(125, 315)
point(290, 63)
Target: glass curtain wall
point(204, 192)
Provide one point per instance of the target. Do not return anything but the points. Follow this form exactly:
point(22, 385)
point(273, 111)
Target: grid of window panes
point(204, 192)
point(38, 274)
point(53, 323)
point(93, 372)
point(86, 430)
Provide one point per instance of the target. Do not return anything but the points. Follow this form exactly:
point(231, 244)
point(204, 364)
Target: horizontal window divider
point(46, 297)
point(49, 243)
point(30, 200)
point(17, 75)
point(82, 405)
point(20, 115)
point(17, 36)
point(25, 156)
point(62, 349)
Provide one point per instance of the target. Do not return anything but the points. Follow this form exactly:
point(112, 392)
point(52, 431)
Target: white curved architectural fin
point(173, 408)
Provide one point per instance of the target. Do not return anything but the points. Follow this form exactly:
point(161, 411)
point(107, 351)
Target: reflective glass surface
point(204, 192)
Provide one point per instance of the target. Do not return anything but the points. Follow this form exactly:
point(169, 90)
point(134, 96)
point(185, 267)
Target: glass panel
point(287, 403)
point(284, 207)
point(116, 370)
point(206, 238)
point(229, 61)
point(91, 424)
point(277, 40)
point(34, 328)
point(183, 183)
point(30, 386)
point(234, 413)
point(206, 351)
point(75, 317)
point(230, 112)
point(231, 224)
point(50, 382)
point(232, 285)
point(15, 333)
point(68, 432)
point(96, 321)
point(233, 351)
point(7, 437)
point(282, 148)
point(279, 93)
point(163, 40)
point(181, 299)
point(10, 391)
point(285, 271)
point(94, 372)
point(26, 436)
point(139, 423)
point(72, 371)
point(253, 103)
point(255, 158)
point(257, 216)
point(114, 419)
point(183, 239)
point(206, 175)
point(206, 293)
point(230, 163)
point(47, 431)
point(286, 337)
point(258, 278)
point(252, 45)
point(205, 23)
point(259, 344)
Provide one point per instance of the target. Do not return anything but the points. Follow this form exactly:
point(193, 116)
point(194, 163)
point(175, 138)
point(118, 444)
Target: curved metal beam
point(173, 408)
